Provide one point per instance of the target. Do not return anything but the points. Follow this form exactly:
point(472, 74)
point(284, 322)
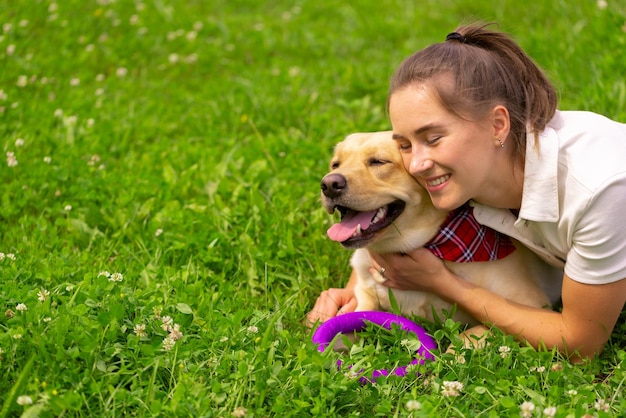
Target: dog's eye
point(375, 161)
point(334, 165)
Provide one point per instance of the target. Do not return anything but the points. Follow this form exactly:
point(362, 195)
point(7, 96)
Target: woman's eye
point(404, 146)
point(432, 140)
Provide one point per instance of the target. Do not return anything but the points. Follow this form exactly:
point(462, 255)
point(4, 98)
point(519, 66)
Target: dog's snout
point(333, 185)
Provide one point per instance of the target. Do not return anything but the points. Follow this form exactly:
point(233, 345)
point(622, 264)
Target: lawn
point(161, 233)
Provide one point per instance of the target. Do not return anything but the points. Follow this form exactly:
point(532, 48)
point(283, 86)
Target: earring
point(501, 143)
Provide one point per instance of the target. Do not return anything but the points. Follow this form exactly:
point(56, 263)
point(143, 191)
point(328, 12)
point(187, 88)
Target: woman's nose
point(419, 163)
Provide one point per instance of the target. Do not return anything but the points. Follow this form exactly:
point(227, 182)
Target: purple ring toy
point(355, 321)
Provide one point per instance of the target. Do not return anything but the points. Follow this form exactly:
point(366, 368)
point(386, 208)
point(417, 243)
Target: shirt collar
point(540, 196)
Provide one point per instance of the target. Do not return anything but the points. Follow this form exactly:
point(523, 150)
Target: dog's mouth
point(357, 228)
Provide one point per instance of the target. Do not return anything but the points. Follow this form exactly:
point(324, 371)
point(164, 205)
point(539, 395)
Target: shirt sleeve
point(598, 240)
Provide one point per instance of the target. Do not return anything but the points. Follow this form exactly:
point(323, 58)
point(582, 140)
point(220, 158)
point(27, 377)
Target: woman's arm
point(581, 330)
point(333, 302)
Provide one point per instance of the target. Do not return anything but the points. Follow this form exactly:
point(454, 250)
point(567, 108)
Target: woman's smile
point(434, 183)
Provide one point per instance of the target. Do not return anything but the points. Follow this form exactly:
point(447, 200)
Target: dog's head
point(379, 201)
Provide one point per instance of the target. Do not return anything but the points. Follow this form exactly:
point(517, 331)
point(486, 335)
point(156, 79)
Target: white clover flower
point(197, 26)
point(168, 343)
point(158, 232)
point(6, 27)
point(116, 277)
point(10, 256)
point(21, 307)
point(239, 412)
point(100, 77)
point(90, 122)
point(526, 409)
point(47, 319)
point(173, 58)
point(550, 411)
point(602, 4)
point(19, 142)
point(253, 329)
point(166, 322)
point(10, 49)
point(453, 388)
point(42, 295)
point(23, 23)
point(47, 159)
point(104, 273)
point(351, 374)
point(22, 81)
point(70, 120)
point(572, 392)
point(53, 7)
point(17, 336)
point(93, 160)
point(75, 81)
point(140, 330)
point(67, 208)
point(191, 35)
point(223, 339)
point(175, 333)
point(557, 367)
point(3, 95)
point(413, 405)
point(58, 113)
point(602, 405)
point(121, 72)
point(24, 400)
point(2, 256)
point(11, 159)
point(133, 20)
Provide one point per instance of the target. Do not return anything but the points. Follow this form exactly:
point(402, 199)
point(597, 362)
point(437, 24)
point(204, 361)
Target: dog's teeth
point(379, 215)
point(357, 232)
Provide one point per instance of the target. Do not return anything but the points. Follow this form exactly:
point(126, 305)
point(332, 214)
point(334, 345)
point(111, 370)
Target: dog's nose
point(333, 185)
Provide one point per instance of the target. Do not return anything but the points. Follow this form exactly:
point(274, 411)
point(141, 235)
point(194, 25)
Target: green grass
point(181, 144)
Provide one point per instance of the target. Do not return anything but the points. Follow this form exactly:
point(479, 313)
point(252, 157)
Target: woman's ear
point(501, 123)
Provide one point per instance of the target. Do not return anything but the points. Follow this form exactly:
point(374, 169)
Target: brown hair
point(487, 68)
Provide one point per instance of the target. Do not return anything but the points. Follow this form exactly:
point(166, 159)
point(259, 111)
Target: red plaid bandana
point(462, 239)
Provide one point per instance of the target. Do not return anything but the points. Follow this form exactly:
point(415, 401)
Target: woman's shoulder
point(585, 122)
point(591, 148)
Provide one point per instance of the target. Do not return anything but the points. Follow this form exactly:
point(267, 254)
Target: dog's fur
point(367, 173)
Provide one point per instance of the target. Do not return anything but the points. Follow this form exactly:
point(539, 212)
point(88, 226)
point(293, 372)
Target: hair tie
point(457, 37)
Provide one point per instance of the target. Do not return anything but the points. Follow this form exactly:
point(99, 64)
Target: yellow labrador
point(384, 209)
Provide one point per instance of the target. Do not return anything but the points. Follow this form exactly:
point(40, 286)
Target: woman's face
point(449, 156)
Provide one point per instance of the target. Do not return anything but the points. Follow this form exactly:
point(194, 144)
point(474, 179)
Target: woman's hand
point(330, 303)
point(417, 270)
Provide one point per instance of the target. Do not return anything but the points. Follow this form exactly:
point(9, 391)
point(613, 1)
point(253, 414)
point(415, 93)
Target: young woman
point(476, 120)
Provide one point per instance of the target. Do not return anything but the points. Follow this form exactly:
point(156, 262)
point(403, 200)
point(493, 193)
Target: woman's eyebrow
point(419, 130)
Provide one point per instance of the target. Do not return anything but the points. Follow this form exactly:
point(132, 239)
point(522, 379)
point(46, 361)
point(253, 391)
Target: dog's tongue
point(346, 228)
